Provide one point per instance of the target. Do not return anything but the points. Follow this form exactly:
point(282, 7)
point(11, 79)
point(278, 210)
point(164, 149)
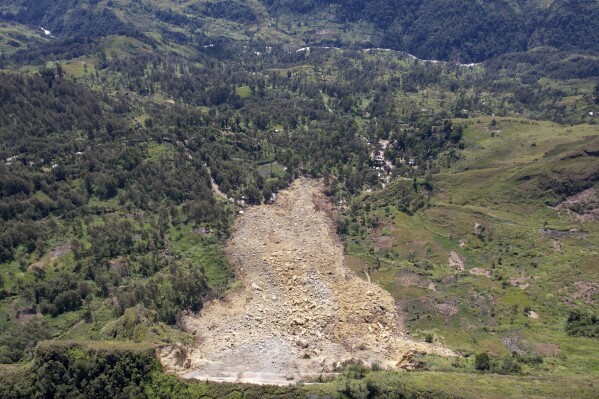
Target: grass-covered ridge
point(488, 263)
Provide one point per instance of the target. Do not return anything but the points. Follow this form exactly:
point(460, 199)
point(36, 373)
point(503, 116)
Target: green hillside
point(465, 31)
point(133, 132)
point(516, 278)
point(469, 31)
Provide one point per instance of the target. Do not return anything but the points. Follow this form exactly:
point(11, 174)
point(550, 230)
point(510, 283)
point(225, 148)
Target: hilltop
point(468, 31)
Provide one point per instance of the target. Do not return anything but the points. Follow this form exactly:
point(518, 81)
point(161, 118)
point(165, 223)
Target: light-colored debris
point(302, 311)
point(456, 261)
point(532, 314)
point(477, 271)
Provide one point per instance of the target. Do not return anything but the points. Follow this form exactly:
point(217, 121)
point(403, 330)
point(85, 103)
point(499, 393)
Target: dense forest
point(68, 18)
point(469, 31)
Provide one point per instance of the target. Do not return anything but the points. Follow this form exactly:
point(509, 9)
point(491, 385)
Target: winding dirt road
point(300, 312)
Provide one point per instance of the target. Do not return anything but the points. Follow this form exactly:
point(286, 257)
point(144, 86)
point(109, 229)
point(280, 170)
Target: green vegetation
point(467, 31)
point(583, 325)
point(89, 370)
point(482, 362)
point(129, 141)
point(515, 287)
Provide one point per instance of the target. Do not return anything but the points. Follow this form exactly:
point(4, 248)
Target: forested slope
point(134, 132)
point(465, 31)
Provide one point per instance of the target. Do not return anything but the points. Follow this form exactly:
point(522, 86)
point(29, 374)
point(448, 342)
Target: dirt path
point(300, 312)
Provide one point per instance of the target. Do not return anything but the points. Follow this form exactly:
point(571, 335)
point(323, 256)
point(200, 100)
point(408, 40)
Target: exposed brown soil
point(24, 315)
point(447, 310)
point(583, 206)
point(546, 349)
point(301, 312)
point(409, 279)
point(384, 242)
point(477, 271)
point(455, 261)
point(522, 282)
point(586, 291)
point(428, 305)
point(50, 257)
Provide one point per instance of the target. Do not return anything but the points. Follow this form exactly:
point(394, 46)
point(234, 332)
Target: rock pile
point(301, 311)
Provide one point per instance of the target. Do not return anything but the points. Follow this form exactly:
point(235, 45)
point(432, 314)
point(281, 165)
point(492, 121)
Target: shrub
point(582, 325)
point(482, 362)
point(508, 366)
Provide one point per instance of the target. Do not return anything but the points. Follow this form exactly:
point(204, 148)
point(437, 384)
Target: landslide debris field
point(301, 312)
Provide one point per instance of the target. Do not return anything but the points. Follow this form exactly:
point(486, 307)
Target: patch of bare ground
point(584, 291)
point(532, 314)
point(447, 310)
point(383, 242)
point(546, 349)
point(24, 315)
point(56, 253)
point(522, 282)
point(515, 344)
point(409, 279)
point(477, 271)
point(426, 305)
point(557, 245)
point(301, 311)
point(455, 261)
point(583, 206)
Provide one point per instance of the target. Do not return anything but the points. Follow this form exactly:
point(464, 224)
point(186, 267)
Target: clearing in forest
point(301, 311)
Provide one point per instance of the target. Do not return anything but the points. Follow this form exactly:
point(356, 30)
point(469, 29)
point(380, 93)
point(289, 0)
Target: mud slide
point(301, 312)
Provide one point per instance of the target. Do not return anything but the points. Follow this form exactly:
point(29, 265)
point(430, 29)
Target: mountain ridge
point(469, 31)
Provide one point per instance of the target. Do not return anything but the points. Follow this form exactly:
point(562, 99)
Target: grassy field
point(14, 37)
point(506, 287)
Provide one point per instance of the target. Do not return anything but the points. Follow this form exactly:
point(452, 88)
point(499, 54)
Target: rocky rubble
point(300, 311)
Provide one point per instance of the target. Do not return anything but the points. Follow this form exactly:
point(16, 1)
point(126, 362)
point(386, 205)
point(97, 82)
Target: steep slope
point(447, 30)
point(504, 256)
point(67, 17)
point(301, 311)
point(174, 21)
point(467, 31)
